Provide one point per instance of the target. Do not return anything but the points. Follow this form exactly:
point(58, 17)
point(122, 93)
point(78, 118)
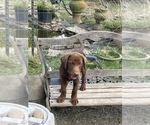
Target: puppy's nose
point(76, 74)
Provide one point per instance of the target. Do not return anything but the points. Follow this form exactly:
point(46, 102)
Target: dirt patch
point(102, 115)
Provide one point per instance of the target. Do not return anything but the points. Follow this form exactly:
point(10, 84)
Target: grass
point(54, 61)
point(136, 14)
point(34, 67)
point(134, 53)
point(106, 52)
point(9, 65)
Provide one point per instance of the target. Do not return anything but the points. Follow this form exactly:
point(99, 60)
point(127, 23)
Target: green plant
point(113, 23)
point(132, 52)
point(107, 58)
point(53, 61)
point(34, 66)
point(136, 15)
point(134, 58)
point(43, 4)
point(21, 4)
point(111, 65)
point(9, 65)
point(107, 52)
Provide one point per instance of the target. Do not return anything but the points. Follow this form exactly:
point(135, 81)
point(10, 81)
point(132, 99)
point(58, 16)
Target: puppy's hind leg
point(83, 85)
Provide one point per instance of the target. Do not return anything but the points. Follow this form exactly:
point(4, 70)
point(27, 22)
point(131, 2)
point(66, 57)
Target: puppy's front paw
point(74, 101)
point(60, 99)
point(82, 88)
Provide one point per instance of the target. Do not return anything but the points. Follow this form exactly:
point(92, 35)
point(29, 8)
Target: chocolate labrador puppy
point(73, 65)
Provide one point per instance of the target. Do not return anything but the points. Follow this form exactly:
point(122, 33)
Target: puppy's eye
point(79, 63)
point(71, 63)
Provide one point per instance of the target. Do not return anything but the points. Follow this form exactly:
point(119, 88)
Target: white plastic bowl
point(48, 117)
point(14, 110)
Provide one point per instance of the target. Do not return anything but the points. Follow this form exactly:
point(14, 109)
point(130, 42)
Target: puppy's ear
point(64, 60)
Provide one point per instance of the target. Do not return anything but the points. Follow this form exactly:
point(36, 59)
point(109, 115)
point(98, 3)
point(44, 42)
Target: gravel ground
point(102, 115)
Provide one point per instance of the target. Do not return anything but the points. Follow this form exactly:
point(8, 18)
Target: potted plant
point(45, 11)
point(114, 24)
point(107, 53)
point(100, 14)
point(55, 1)
point(134, 58)
point(105, 58)
point(21, 11)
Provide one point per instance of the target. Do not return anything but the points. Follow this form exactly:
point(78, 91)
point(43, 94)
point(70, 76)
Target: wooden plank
point(90, 95)
point(90, 73)
point(22, 42)
point(109, 85)
point(136, 95)
point(135, 72)
point(137, 85)
point(92, 90)
point(136, 35)
point(88, 86)
point(105, 95)
point(93, 35)
point(105, 72)
point(75, 29)
point(107, 90)
point(137, 101)
point(87, 102)
point(100, 102)
point(142, 90)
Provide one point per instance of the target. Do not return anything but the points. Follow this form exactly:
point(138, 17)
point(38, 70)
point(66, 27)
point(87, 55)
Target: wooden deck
point(105, 94)
point(96, 94)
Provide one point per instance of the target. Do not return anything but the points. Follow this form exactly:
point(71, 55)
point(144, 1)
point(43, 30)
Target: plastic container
point(36, 90)
point(45, 15)
point(13, 114)
point(21, 15)
point(55, 1)
point(40, 115)
point(12, 90)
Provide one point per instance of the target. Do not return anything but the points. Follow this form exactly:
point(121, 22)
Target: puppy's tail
point(80, 50)
point(81, 46)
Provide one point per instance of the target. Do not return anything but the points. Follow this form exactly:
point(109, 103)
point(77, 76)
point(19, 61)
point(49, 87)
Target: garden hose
point(66, 8)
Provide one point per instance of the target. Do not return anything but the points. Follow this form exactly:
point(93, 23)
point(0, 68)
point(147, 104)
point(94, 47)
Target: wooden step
point(105, 94)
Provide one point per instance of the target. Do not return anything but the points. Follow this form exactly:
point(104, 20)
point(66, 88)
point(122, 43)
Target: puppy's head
point(73, 63)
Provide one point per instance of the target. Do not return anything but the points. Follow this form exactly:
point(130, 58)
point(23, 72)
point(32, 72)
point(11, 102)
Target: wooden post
point(32, 10)
point(7, 26)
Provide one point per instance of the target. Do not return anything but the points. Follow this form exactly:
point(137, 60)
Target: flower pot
point(135, 62)
point(108, 57)
point(21, 15)
point(107, 53)
point(117, 58)
point(77, 6)
point(100, 15)
point(55, 1)
point(45, 15)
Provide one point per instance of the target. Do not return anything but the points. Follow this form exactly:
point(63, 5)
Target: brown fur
point(71, 68)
